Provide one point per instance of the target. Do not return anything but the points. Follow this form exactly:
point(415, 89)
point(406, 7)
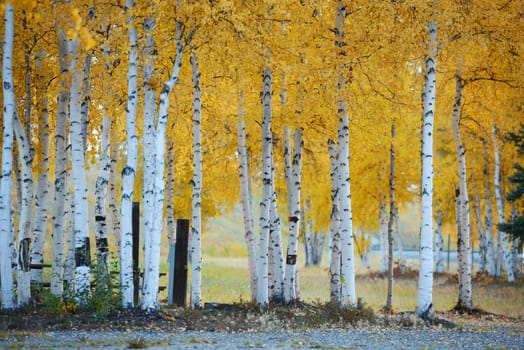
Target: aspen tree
point(42, 183)
point(196, 220)
point(61, 158)
point(465, 294)
point(249, 231)
point(129, 171)
point(7, 283)
point(293, 176)
point(80, 214)
point(425, 282)
point(502, 236)
point(334, 224)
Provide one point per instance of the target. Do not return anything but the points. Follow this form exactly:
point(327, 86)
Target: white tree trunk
point(425, 282)
point(148, 186)
point(7, 283)
point(400, 248)
point(129, 171)
point(249, 230)
point(481, 235)
point(294, 186)
point(170, 200)
point(275, 232)
point(488, 215)
point(463, 246)
point(502, 236)
point(196, 202)
point(61, 158)
point(334, 224)
point(102, 247)
point(26, 210)
point(42, 184)
point(152, 252)
point(267, 145)
point(348, 295)
point(439, 245)
point(80, 214)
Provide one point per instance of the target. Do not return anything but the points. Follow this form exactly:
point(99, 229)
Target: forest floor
point(246, 326)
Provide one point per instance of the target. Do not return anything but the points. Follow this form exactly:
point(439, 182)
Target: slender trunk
point(86, 99)
point(249, 230)
point(346, 223)
point(383, 227)
point(25, 219)
point(488, 215)
point(7, 283)
point(502, 236)
point(334, 227)
point(267, 145)
point(294, 182)
point(275, 233)
point(425, 281)
point(42, 184)
point(152, 253)
point(102, 247)
point(170, 200)
point(392, 206)
point(481, 235)
point(80, 215)
point(196, 222)
point(129, 170)
point(149, 106)
point(465, 300)
point(61, 157)
point(439, 245)
point(113, 201)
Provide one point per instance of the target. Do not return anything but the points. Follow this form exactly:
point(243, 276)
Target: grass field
point(226, 280)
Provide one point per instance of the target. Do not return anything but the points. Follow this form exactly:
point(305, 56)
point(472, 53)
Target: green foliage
point(516, 226)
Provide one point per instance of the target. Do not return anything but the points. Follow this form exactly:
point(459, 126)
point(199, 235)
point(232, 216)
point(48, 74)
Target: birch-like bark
point(488, 214)
point(86, 99)
point(249, 230)
point(42, 183)
point(391, 221)
point(102, 247)
point(348, 296)
point(6, 276)
point(425, 282)
point(80, 214)
point(152, 254)
point(61, 157)
point(481, 235)
point(294, 183)
point(196, 202)
point(275, 235)
point(267, 145)
point(149, 103)
point(113, 200)
point(334, 224)
point(129, 171)
point(26, 210)
point(465, 300)
point(439, 245)
point(502, 236)
point(170, 200)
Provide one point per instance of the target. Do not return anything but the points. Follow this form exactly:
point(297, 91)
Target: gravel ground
point(466, 338)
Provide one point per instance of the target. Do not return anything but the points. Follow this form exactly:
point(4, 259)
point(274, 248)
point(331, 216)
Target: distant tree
point(516, 226)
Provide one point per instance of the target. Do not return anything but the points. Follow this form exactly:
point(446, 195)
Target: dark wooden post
point(136, 249)
point(180, 275)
